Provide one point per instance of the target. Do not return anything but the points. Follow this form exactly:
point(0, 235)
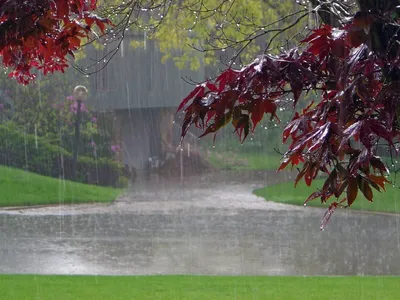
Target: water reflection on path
point(208, 226)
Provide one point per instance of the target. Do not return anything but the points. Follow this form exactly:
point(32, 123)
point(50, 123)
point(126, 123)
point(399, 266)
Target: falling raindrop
point(36, 137)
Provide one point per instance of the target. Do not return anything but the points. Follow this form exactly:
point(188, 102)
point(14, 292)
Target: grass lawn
point(18, 187)
point(29, 287)
point(239, 161)
point(388, 201)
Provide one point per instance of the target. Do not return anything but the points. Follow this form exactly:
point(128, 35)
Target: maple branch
point(131, 13)
point(331, 12)
point(245, 42)
point(280, 31)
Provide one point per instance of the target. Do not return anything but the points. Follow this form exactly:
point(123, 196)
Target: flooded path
point(209, 225)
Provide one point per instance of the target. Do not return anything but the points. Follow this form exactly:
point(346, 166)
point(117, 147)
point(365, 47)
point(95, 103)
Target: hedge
point(34, 154)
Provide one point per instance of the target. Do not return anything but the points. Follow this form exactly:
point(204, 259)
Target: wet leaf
point(328, 214)
point(301, 174)
point(313, 196)
point(198, 91)
point(352, 190)
point(257, 113)
point(378, 180)
point(365, 189)
point(377, 164)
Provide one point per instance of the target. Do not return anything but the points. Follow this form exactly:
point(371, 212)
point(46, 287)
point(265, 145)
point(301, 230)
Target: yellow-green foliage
point(184, 28)
point(189, 25)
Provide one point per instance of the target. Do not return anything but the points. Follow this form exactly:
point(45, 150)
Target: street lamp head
point(80, 93)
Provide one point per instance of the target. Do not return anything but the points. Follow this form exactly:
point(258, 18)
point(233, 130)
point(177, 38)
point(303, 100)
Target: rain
point(97, 180)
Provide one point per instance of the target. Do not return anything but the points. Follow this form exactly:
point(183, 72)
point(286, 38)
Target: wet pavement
point(209, 225)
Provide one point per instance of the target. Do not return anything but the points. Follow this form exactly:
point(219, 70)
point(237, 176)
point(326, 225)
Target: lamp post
point(80, 94)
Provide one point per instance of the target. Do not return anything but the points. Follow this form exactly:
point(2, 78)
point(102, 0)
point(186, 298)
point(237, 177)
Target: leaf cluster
point(355, 70)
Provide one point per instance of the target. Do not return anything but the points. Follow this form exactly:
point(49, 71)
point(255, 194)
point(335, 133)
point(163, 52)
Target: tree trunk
point(377, 5)
point(326, 16)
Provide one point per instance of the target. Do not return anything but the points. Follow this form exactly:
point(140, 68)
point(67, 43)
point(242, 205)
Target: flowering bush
point(35, 154)
point(116, 149)
point(95, 140)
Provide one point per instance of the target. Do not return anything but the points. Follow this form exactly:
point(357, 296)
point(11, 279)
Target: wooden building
point(142, 93)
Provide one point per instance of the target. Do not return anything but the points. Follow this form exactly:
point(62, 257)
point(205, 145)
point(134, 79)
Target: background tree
point(219, 29)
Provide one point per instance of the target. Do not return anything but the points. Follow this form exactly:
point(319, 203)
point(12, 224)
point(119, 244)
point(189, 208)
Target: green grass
point(18, 187)
point(241, 161)
point(29, 287)
point(286, 193)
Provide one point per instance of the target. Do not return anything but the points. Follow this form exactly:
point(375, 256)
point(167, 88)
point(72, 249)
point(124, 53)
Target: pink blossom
point(94, 120)
point(73, 108)
point(70, 98)
point(115, 148)
point(84, 108)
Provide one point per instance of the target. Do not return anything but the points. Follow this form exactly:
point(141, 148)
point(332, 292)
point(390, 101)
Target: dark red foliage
point(355, 70)
point(40, 34)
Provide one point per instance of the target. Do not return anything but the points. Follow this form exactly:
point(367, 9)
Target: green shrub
point(36, 155)
point(123, 182)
